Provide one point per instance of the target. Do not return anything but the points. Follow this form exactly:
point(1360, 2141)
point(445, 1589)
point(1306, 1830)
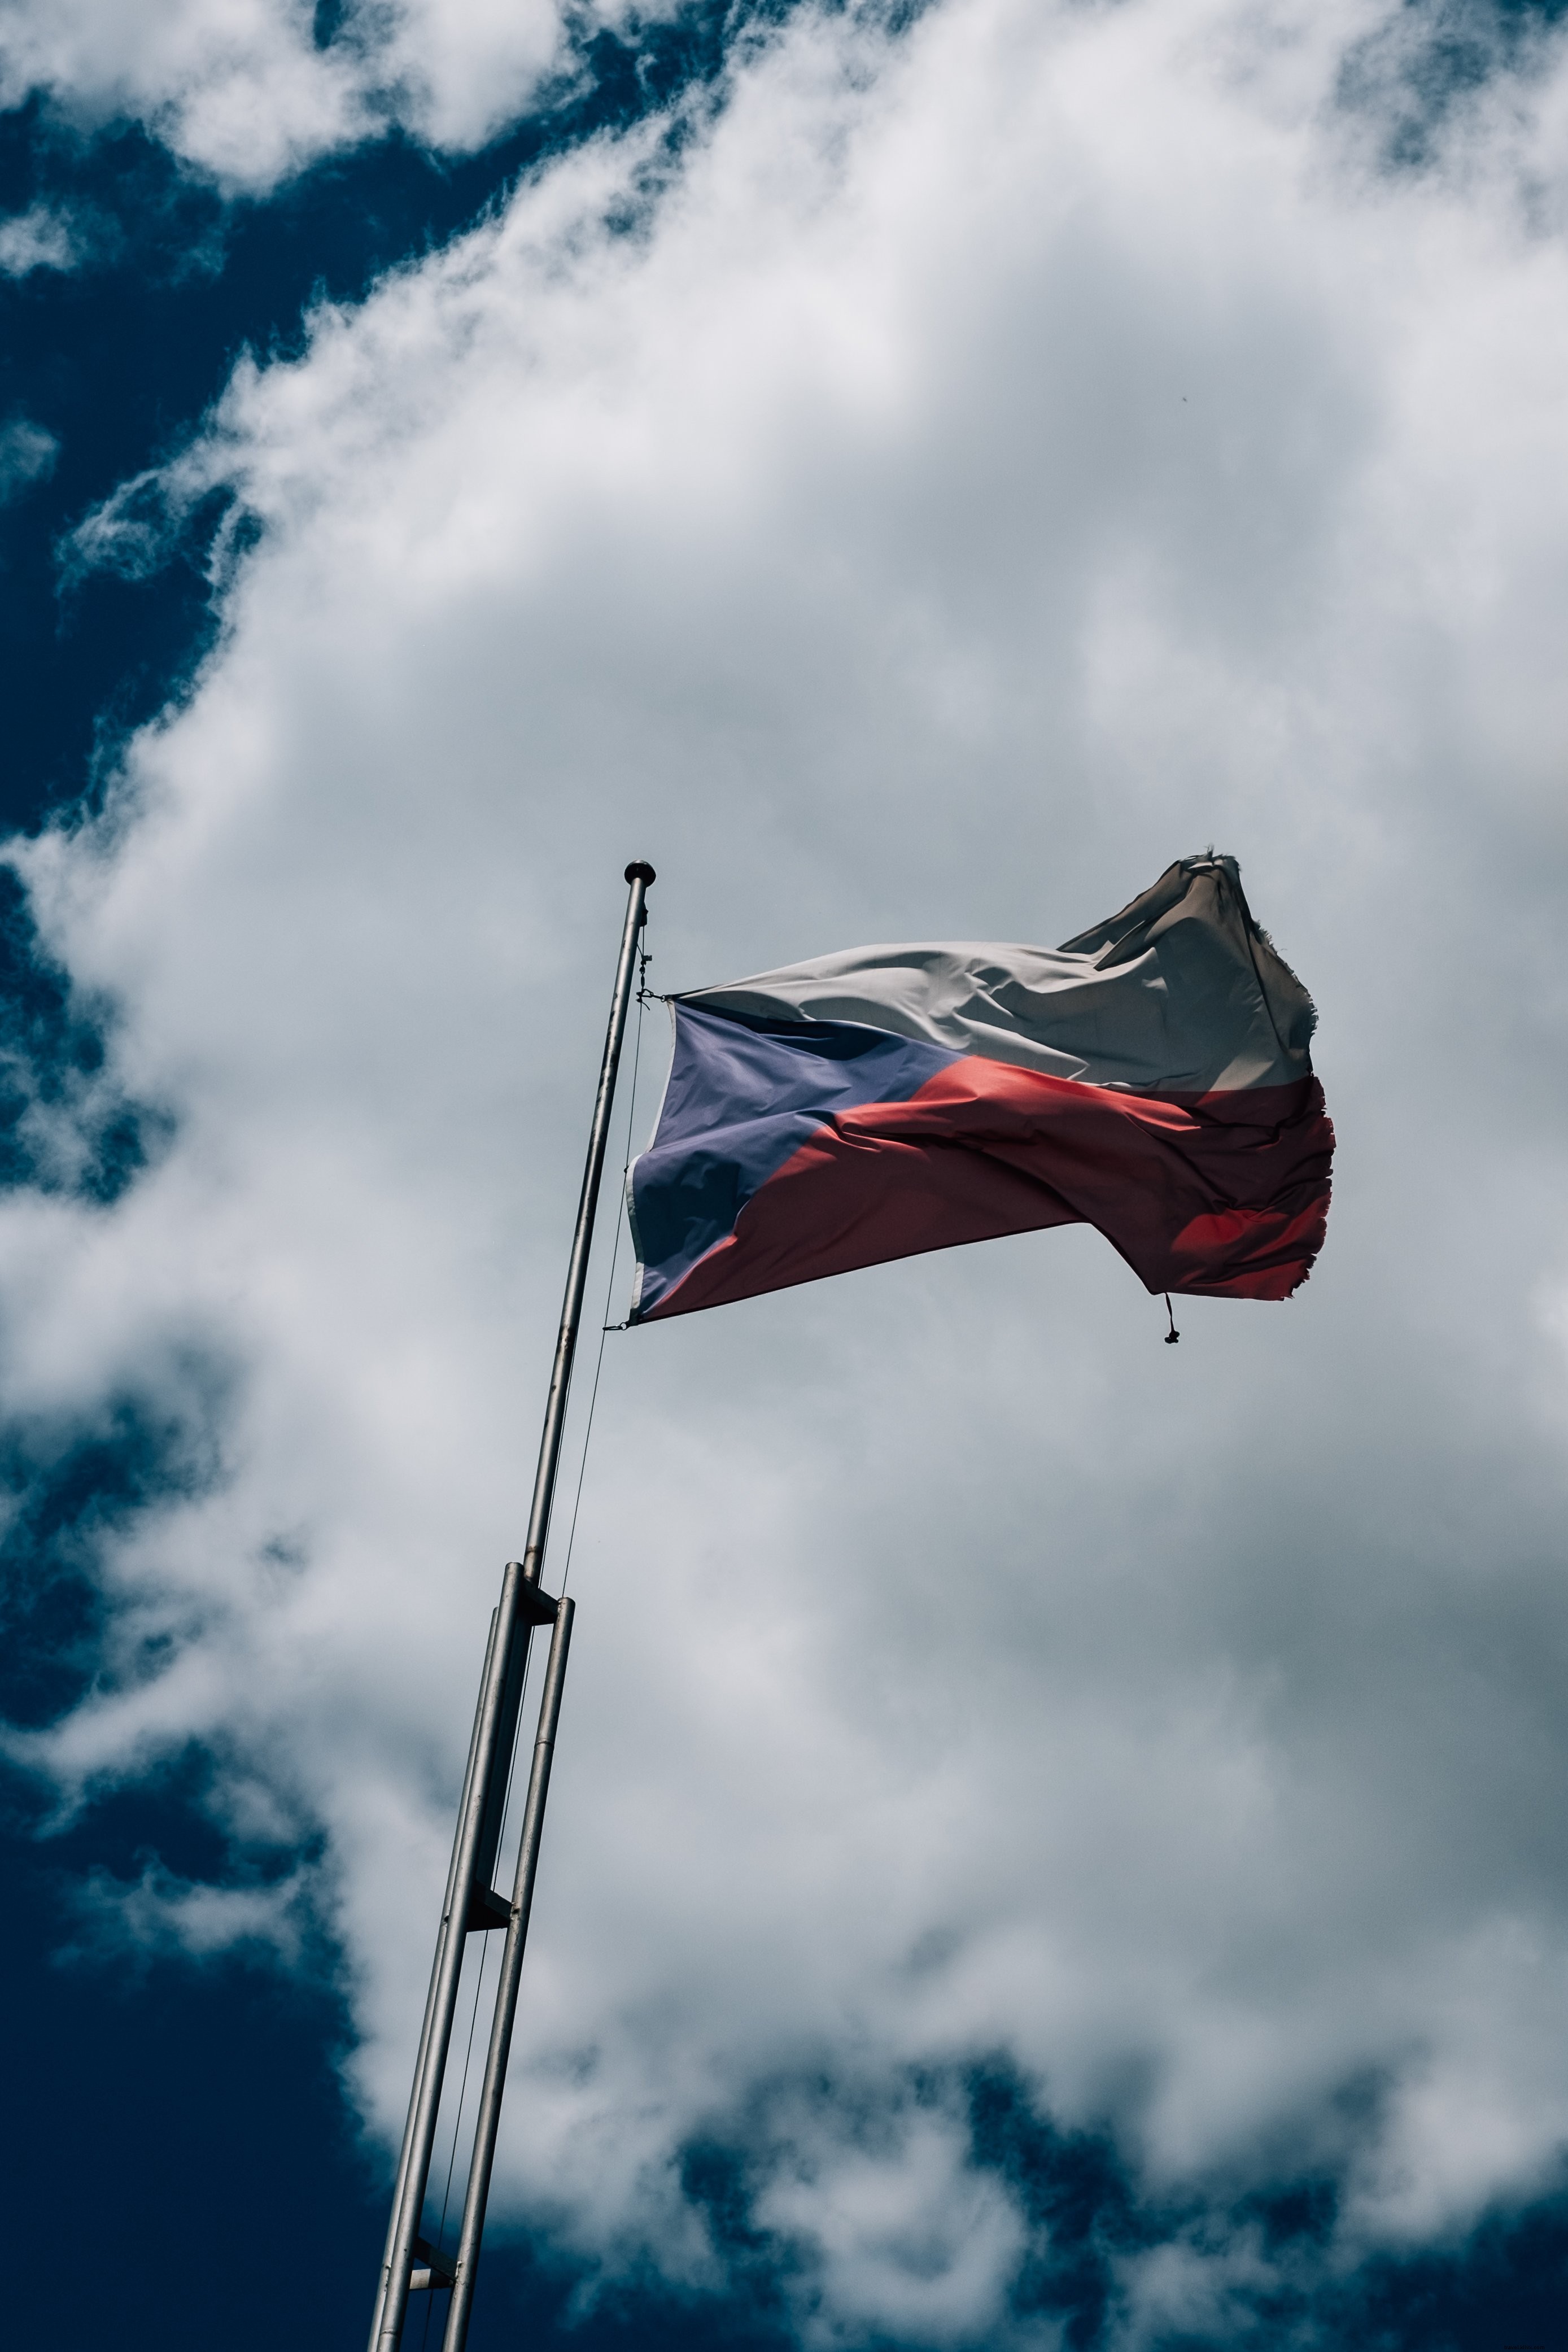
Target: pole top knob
point(640, 871)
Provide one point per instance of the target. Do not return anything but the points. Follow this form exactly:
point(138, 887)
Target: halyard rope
point(605, 1326)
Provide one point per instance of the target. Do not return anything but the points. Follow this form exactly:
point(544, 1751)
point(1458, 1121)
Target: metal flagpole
point(506, 2009)
point(471, 1905)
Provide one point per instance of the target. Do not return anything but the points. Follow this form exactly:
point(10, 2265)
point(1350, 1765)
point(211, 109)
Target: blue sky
point(906, 473)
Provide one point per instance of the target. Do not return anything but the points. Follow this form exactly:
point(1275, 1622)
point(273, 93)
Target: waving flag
point(1151, 1077)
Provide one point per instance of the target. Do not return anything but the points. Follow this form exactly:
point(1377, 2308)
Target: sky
point(1056, 1841)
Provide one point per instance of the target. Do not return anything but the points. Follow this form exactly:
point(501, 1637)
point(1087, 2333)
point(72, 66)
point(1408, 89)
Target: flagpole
point(471, 1905)
point(506, 2010)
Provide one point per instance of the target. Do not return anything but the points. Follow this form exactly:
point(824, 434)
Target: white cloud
point(235, 86)
point(243, 90)
point(163, 1917)
point(39, 239)
point(999, 462)
point(906, 2237)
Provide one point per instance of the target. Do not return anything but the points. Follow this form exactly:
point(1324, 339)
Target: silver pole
point(391, 2298)
point(500, 1687)
point(418, 2066)
point(639, 876)
point(483, 2157)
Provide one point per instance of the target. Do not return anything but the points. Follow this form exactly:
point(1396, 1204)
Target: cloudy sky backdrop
point(1057, 1840)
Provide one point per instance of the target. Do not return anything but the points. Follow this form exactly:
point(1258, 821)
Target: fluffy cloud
point(37, 239)
point(985, 464)
point(249, 90)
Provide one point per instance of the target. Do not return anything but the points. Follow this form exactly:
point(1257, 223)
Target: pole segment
point(500, 1689)
point(483, 2157)
point(418, 2065)
point(392, 2299)
point(639, 876)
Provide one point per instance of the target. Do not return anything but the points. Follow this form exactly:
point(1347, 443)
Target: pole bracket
point(437, 2269)
point(486, 1910)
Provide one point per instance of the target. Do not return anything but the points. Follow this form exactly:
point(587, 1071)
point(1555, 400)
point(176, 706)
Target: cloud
point(28, 455)
point(239, 91)
point(39, 239)
point(250, 92)
point(985, 463)
point(160, 1915)
point(902, 2235)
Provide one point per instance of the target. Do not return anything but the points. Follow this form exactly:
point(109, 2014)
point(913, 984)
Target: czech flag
point(1151, 1077)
